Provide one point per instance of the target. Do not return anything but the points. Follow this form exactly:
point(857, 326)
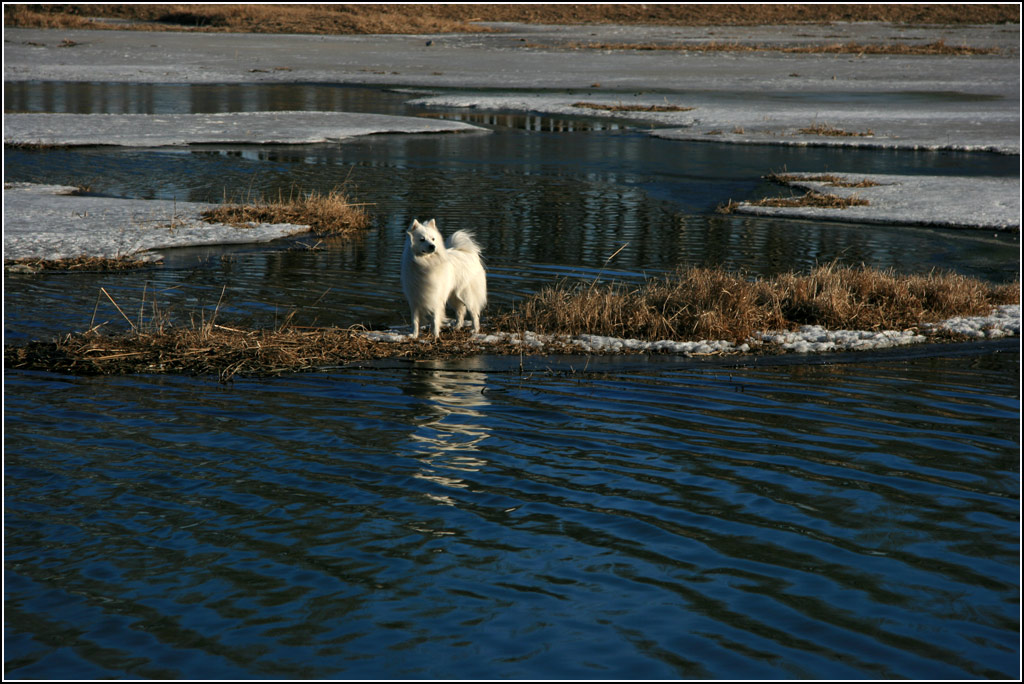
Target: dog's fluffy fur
point(438, 272)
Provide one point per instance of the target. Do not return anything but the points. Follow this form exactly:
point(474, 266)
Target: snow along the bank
point(47, 222)
point(940, 201)
point(711, 118)
point(1004, 321)
point(246, 128)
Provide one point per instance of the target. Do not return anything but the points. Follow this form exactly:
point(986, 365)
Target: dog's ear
point(431, 224)
point(415, 224)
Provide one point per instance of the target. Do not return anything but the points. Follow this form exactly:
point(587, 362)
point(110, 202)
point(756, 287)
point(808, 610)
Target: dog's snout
point(429, 247)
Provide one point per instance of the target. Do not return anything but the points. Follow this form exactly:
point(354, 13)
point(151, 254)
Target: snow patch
point(941, 201)
point(246, 128)
point(1004, 321)
point(46, 222)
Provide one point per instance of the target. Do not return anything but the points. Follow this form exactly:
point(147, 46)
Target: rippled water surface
point(838, 517)
point(421, 521)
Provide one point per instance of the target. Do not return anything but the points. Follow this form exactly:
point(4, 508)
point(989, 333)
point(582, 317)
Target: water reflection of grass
point(693, 304)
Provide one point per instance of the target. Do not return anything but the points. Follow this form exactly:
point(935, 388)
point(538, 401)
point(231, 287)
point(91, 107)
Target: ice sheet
point(46, 222)
point(941, 201)
point(154, 130)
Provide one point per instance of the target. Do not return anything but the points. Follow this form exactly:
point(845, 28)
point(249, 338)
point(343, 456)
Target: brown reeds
point(631, 108)
point(938, 47)
point(827, 178)
point(808, 199)
point(692, 304)
point(331, 213)
point(701, 303)
point(825, 129)
point(80, 263)
point(375, 18)
point(226, 351)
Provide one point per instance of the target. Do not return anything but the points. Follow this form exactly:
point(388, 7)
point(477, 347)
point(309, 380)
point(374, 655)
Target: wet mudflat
point(580, 519)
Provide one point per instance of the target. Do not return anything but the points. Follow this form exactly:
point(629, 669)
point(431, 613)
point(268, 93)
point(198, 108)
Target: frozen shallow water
point(942, 201)
point(48, 222)
point(248, 128)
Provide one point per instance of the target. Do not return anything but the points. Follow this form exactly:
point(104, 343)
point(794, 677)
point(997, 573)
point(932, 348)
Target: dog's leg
point(474, 316)
point(415, 322)
point(460, 315)
point(438, 320)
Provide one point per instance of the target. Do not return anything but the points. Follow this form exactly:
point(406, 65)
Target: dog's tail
point(462, 240)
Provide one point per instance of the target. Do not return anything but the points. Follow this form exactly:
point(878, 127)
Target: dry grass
point(809, 199)
point(632, 108)
point(938, 47)
point(829, 178)
point(825, 129)
point(700, 303)
point(80, 263)
point(693, 304)
point(331, 213)
point(219, 350)
point(436, 18)
point(277, 18)
point(225, 351)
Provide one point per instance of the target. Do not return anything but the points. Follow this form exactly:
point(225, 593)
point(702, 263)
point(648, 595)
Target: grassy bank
point(701, 303)
point(693, 304)
point(439, 18)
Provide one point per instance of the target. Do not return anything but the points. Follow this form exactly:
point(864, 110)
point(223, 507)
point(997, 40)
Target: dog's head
point(424, 238)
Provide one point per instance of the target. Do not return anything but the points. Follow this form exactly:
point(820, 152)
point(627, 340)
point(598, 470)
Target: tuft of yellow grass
point(330, 213)
point(829, 178)
point(938, 47)
point(632, 108)
point(703, 303)
point(79, 263)
point(825, 129)
point(808, 199)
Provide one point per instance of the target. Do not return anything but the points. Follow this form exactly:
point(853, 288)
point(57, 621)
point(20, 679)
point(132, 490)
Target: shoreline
point(231, 351)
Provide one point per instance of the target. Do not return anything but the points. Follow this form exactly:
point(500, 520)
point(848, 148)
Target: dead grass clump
point(813, 199)
point(331, 213)
point(226, 352)
point(938, 47)
point(632, 108)
point(700, 303)
point(824, 129)
point(694, 304)
point(79, 263)
point(829, 178)
point(30, 16)
point(809, 199)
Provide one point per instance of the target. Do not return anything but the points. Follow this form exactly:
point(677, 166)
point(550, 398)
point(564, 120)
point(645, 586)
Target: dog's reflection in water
point(452, 424)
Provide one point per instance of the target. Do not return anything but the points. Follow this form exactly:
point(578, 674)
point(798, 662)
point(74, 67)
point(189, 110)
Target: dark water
point(588, 518)
point(825, 522)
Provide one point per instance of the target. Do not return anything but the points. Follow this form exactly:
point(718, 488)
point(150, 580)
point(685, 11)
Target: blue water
point(456, 521)
point(837, 517)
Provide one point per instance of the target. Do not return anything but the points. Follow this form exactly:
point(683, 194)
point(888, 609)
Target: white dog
point(436, 273)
